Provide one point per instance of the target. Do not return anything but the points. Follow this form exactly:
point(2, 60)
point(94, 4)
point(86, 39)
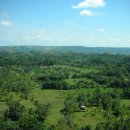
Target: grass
point(79, 69)
point(90, 116)
point(125, 102)
point(56, 98)
point(3, 107)
point(73, 81)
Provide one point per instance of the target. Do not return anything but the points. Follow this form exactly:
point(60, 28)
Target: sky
point(90, 23)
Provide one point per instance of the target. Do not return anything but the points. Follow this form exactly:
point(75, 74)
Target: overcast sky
point(93, 23)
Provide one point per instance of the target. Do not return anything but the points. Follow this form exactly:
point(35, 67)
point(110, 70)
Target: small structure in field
point(82, 107)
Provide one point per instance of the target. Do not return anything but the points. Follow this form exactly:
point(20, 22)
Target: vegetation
point(42, 90)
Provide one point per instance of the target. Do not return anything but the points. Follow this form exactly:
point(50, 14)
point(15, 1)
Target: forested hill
point(75, 49)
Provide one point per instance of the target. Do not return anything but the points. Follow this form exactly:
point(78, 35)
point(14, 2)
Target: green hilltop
point(75, 49)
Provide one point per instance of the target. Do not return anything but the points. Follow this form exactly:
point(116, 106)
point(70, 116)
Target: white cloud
point(43, 37)
point(102, 29)
point(87, 5)
point(90, 4)
point(87, 13)
point(129, 39)
point(5, 23)
point(113, 40)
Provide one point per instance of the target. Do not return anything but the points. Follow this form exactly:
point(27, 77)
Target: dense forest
point(61, 89)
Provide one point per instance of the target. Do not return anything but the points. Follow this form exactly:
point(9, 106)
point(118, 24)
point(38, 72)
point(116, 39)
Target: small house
point(82, 107)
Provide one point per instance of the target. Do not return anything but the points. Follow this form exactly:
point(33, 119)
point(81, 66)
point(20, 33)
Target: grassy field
point(56, 98)
point(3, 107)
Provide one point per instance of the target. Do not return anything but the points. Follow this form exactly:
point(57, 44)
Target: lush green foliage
point(35, 86)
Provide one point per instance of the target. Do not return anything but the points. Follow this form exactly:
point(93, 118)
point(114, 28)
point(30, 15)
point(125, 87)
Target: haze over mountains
point(74, 49)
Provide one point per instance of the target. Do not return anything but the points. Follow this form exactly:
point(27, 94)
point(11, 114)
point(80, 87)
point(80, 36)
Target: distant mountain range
point(75, 49)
